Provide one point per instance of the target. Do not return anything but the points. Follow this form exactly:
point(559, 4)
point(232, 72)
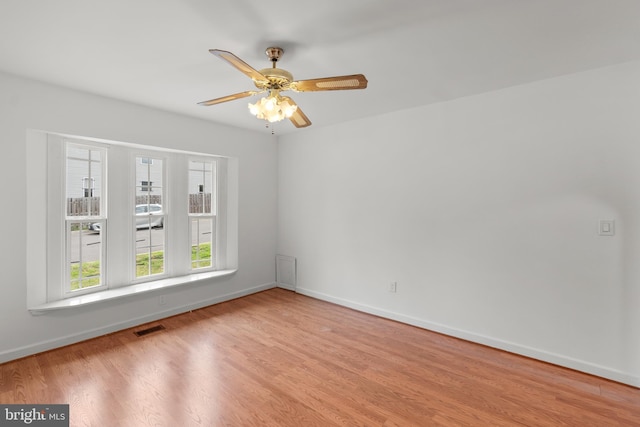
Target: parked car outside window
point(146, 216)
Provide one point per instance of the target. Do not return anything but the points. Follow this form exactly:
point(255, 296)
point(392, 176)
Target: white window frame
point(211, 216)
point(46, 225)
point(149, 157)
point(64, 290)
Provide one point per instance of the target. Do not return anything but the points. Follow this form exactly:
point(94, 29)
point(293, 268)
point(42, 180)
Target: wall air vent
point(286, 272)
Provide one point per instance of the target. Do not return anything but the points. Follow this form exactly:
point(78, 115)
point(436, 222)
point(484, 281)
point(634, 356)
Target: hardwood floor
point(281, 359)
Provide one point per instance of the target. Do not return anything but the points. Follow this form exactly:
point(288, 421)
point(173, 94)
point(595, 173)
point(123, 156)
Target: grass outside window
point(200, 258)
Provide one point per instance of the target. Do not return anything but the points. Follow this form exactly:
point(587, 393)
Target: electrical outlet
point(162, 300)
point(606, 227)
point(393, 287)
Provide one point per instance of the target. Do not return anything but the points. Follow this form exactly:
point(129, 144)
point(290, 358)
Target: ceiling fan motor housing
point(277, 77)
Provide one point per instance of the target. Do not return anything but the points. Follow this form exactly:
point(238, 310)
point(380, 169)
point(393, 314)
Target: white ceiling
point(155, 52)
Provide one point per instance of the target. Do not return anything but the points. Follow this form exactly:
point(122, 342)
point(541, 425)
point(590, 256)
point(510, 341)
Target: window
point(116, 216)
point(202, 213)
point(84, 222)
point(149, 219)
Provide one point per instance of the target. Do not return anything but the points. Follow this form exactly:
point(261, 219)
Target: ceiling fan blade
point(298, 118)
point(240, 65)
point(229, 98)
point(355, 81)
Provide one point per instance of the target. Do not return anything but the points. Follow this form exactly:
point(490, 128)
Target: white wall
point(485, 211)
point(26, 105)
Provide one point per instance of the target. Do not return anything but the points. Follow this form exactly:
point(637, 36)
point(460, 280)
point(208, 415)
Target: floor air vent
point(148, 331)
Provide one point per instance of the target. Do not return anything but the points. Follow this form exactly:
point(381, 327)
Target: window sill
point(125, 291)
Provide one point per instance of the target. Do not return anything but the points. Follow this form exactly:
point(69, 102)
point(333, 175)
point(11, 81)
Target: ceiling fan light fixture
point(273, 108)
point(288, 106)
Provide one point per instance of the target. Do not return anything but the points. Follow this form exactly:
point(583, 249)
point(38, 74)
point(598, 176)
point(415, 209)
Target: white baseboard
point(556, 359)
point(39, 347)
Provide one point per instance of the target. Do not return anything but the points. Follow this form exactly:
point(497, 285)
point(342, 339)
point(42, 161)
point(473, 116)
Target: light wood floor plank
point(277, 358)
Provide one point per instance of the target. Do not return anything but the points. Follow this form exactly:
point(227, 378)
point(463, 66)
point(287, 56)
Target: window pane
point(202, 242)
point(83, 181)
point(78, 152)
point(149, 181)
point(77, 177)
point(149, 248)
point(85, 254)
point(201, 187)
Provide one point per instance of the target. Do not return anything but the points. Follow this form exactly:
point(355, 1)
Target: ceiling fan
point(275, 107)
